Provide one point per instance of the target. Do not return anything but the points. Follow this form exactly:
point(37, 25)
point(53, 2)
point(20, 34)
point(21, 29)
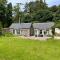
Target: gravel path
point(36, 38)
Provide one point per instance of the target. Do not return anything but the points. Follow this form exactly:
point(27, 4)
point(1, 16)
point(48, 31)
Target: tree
point(27, 19)
point(43, 16)
point(53, 8)
point(2, 12)
point(17, 13)
point(0, 28)
point(56, 14)
point(41, 4)
point(9, 15)
point(3, 2)
point(30, 8)
point(33, 7)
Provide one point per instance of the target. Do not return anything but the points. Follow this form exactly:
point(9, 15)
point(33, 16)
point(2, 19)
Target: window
point(18, 31)
point(35, 32)
point(13, 31)
point(45, 32)
point(40, 31)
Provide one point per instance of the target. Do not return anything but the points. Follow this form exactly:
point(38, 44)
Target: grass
point(23, 49)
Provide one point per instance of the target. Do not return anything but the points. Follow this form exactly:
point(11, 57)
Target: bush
point(0, 29)
point(8, 34)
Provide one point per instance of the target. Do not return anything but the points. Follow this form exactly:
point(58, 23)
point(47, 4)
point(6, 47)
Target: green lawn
point(22, 49)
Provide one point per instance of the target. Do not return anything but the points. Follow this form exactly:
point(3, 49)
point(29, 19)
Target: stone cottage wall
point(25, 32)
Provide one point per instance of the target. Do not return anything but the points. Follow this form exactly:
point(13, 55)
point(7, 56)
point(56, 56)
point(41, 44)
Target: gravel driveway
point(36, 38)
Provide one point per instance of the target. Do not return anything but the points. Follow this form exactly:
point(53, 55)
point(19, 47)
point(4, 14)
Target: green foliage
point(40, 12)
point(37, 11)
point(27, 18)
point(0, 29)
point(2, 14)
point(56, 15)
point(53, 8)
point(3, 2)
point(43, 16)
point(18, 14)
point(56, 12)
point(5, 13)
point(57, 24)
point(9, 15)
point(33, 7)
point(7, 34)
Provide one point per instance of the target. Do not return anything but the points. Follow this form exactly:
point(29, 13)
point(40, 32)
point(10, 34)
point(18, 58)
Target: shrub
point(0, 29)
point(8, 34)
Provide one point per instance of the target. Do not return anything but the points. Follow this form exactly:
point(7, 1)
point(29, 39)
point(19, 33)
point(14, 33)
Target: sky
point(49, 2)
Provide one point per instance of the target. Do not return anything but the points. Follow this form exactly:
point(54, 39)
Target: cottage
point(20, 29)
point(29, 29)
point(43, 29)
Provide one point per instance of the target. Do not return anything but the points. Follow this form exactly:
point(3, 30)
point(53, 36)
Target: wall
point(11, 30)
point(48, 32)
point(36, 32)
point(15, 31)
point(25, 32)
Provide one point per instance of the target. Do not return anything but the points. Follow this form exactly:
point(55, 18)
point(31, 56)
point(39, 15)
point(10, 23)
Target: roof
point(20, 25)
point(43, 26)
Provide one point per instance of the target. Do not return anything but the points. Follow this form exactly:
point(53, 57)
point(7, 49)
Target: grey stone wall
point(25, 32)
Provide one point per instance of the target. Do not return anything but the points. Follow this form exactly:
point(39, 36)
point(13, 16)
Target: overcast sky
point(49, 2)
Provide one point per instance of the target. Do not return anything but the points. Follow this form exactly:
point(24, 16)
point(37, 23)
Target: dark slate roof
point(44, 26)
point(20, 25)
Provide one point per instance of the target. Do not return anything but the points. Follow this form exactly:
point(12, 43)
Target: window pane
point(13, 31)
point(18, 31)
point(40, 31)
